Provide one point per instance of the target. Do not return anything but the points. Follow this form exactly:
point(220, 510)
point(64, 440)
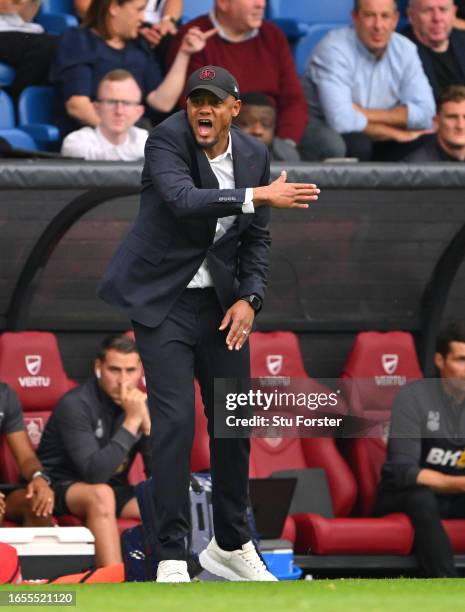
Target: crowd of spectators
point(368, 92)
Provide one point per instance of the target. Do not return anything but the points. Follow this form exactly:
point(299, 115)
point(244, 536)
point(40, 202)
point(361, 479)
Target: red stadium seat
point(30, 362)
point(342, 534)
point(200, 457)
point(378, 365)
point(276, 354)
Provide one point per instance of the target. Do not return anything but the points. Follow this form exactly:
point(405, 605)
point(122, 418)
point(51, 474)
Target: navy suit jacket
point(174, 231)
point(457, 43)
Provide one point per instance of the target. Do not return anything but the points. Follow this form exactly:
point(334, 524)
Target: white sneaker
point(172, 571)
point(241, 564)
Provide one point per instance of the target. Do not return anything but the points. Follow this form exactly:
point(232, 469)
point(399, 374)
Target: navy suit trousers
point(187, 344)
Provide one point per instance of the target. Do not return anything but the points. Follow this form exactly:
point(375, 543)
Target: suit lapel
point(208, 180)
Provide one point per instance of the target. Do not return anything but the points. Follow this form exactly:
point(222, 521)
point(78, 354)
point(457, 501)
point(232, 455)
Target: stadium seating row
point(304, 23)
point(30, 362)
point(34, 128)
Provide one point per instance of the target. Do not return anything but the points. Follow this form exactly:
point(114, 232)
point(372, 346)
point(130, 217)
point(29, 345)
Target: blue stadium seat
point(7, 75)
point(56, 22)
point(295, 16)
point(16, 137)
point(302, 49)
point(58, 6)
point(311, 11)
point(7, 111)
point(35, 109)
point(193, 8)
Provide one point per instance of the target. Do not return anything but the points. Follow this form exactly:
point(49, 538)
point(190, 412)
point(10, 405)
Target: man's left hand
point(41, 496)
point(240, 316)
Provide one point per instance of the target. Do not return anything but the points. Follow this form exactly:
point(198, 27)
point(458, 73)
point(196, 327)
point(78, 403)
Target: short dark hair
point(122, 343)
point(451, 332)
point(357, 5)
point(257, 98)
point(97, 17)
point(453, 93)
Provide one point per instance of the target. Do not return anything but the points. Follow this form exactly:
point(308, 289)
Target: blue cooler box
point(279, 558)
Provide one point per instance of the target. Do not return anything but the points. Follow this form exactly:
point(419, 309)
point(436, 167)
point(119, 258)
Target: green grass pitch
point(319, 596)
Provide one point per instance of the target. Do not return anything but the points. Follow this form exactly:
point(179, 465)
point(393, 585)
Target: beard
point(208, 145)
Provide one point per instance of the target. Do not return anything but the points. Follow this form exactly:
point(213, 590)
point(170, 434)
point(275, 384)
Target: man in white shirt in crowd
point(116, 138)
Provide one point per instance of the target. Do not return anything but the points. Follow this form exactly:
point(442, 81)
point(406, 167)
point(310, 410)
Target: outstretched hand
point(281, 194)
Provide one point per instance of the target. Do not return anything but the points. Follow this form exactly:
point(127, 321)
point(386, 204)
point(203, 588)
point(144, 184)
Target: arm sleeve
point(292, 110)
point(416, 94)
point(330, 71)
point(254, 248)
point(12, 420)
point(171, 173)
point(94, 464)
point(404, 447)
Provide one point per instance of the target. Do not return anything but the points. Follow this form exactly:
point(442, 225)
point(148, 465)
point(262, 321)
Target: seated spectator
point(161, 18)
point(30, 506)
point(109, 39)
point(24, 45)
point(441, 47)
point(90, 441)
point(257, 53)
point(459, 21)
point(423, 474)
point(118, 107)
point(367, 84)
point(258, 118)
point(448, 143)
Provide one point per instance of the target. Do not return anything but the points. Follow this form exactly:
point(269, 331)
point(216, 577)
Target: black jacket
point(174, 231)
point(427, 430)
point(84, 439)
point(457, 43)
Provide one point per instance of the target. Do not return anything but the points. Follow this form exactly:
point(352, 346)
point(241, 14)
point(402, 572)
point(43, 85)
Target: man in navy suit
point(191, 275)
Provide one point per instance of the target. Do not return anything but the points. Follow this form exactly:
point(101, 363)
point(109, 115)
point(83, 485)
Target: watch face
point(255, 302)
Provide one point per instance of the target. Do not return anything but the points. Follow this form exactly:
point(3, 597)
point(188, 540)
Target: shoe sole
point(212, 566)
point(217, 568)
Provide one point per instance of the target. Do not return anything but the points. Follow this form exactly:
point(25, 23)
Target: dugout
point(382, 249)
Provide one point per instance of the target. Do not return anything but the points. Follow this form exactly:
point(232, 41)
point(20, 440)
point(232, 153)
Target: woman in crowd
point(110, 39)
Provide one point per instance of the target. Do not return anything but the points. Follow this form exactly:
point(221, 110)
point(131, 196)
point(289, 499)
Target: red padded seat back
point(365, 457)
point(268, 455)
point(379, 364)
point(34, 423)
point(275, 354)
point(136, 474)
point(30, 362)
point(200, 457)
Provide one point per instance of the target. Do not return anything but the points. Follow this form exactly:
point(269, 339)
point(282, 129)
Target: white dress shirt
point(223, 169)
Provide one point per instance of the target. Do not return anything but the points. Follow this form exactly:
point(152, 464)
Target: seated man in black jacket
point(441, 46)
point(424, 471)
point(91, 440)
